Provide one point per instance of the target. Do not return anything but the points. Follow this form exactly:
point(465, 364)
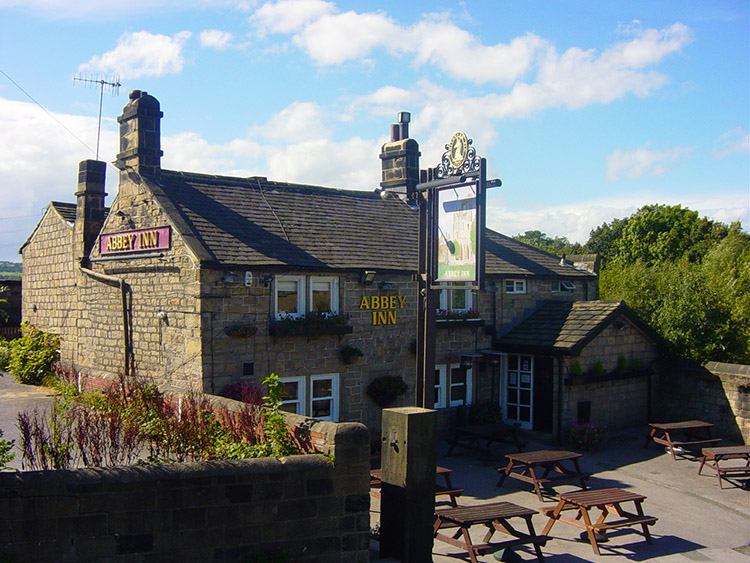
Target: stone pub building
point(200, 281)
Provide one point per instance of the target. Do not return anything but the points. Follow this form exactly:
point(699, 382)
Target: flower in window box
point(455, 315)
point(314, 322)
point(386, 389)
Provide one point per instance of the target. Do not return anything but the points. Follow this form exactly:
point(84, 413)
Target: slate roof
point(255, 222)
point(66, 210)
point(566, 327)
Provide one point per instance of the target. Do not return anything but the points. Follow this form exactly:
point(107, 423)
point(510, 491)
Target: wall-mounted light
point(367, 277)
point(266, 280)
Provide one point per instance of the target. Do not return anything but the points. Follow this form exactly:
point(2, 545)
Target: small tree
point(33, 355)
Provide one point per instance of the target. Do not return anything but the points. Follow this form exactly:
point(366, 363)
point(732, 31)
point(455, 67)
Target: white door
point(519, 382)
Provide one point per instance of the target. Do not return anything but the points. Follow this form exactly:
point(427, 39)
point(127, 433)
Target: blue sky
point(586, 110)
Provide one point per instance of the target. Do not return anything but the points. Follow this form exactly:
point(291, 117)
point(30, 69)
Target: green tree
point(556, 246)
point(657, 233)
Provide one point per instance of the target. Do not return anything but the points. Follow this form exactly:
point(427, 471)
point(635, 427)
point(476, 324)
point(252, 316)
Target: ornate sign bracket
point(460, 157)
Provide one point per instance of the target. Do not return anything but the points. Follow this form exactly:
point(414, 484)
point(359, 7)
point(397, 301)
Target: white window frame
point(447, 305)
point(443, 386)
point(519, 286)
point(334, 377)
point(300, 295)
point(305, 398)
point(559, 286)
point(333, 282)
point(301, 403)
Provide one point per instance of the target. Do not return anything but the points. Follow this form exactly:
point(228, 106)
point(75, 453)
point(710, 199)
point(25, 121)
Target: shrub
point(243, 391)
point(586, 436)
point(5, 354)
point(33, 355)
point(6, 456)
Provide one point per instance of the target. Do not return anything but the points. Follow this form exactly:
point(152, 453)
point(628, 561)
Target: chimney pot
point(135, 94)
point(394, 133)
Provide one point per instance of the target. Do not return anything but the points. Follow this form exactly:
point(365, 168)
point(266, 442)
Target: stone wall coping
point(729, 369)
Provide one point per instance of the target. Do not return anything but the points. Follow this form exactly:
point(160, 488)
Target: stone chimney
point(400, 159)
point(89, 206)
point(140, 136)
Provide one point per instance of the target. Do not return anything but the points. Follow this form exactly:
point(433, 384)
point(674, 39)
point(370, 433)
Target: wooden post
point(407, 504)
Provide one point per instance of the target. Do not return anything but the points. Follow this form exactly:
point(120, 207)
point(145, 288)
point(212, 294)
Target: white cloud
point(643, 162)
point(338, 38)
point(140, 54)
point(296, 122)
point(289, 16)
point(462, 56)
point(733, 142)
point(216, 39)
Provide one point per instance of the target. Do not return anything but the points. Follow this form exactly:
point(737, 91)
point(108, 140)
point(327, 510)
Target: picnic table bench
point(712, 458)
point(440, 490)
point(483, 437)
point(495, 517)
point(694, 433)
point(525, 466)
point(609, 502)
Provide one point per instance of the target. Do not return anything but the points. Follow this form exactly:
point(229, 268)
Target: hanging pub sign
point(458, 215)
point(143, 240)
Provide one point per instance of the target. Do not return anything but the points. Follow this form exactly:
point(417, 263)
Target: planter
point(275, 330)
point(459, 323)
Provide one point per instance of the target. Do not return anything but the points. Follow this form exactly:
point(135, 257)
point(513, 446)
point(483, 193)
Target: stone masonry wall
point(617, 400)
point(49, 291)
point(716, 392)
point(305, 507)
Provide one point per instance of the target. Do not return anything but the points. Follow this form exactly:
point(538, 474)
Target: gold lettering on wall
point(383, 307)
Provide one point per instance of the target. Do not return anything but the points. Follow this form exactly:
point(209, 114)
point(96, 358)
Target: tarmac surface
point(697, 520)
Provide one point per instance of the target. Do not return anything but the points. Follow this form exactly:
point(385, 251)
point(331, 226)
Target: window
point(456, 299)
point(452, 386)
point(292, 300)
point(324, 295)
point(515, 286)
point(563, 287)
point(293, 394)
point(290, 296)
point(316, 396)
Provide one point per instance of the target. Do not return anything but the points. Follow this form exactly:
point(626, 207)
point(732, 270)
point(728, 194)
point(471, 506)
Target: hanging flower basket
point(386, 389)
point(350, 354)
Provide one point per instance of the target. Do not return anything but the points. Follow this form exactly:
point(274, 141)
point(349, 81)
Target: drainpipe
point(559, 398)
point(118, 282)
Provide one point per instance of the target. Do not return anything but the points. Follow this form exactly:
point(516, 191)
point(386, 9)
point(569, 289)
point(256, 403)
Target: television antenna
point(112, 84)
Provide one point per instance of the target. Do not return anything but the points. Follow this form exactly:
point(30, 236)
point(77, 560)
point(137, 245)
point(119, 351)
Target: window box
point(312, 324)
point(459, 323)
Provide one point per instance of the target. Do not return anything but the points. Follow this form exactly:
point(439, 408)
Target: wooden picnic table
point(525, 466)
point(692, 432)
point(440, 490)
point(483, 437)
point(712, 458)
point(495, 517)
point(609, 502)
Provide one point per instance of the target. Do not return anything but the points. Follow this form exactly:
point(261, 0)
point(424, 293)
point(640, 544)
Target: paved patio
point(697, 520)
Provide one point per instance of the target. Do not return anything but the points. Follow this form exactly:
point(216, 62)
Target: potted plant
point(386, 389)
point(350, 354)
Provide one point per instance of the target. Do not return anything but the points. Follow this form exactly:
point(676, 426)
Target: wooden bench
point(608, 502)
point(440, 490)
point(483, 438)
point(696, 433)
point(712, 458)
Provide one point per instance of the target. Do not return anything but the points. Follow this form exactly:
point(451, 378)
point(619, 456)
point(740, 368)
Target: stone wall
point(716, 392)
point(305, 507)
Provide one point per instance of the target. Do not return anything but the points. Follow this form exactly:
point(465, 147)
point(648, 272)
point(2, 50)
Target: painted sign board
point(458, 233)
point(143, 240)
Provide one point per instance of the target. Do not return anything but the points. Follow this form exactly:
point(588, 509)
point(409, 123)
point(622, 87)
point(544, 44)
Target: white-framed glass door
point(519, 383)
